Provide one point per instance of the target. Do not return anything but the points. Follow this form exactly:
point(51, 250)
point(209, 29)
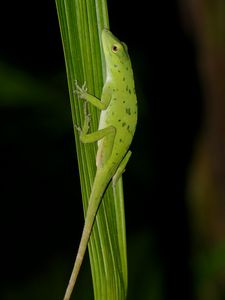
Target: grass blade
point(81, 23)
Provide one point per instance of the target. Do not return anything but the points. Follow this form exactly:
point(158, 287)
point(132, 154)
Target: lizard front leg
point(100, 104)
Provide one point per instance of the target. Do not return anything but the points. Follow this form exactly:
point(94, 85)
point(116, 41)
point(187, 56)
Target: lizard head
point(115, 51)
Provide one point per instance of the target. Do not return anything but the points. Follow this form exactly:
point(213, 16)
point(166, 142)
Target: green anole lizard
point(117, 125)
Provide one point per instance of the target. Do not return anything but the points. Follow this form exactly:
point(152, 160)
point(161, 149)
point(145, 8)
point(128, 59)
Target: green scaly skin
point(117, 125)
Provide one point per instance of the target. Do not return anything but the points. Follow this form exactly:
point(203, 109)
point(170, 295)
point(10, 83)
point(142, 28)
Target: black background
point(41, 210)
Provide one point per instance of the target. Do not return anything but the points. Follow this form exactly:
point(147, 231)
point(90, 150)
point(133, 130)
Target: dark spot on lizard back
point(128, 111)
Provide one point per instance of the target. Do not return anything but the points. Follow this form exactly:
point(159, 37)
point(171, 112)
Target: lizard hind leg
point(121, 169)
point(97, 135)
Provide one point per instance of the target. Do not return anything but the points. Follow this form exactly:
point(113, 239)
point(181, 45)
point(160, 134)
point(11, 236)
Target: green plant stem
point(81, 23)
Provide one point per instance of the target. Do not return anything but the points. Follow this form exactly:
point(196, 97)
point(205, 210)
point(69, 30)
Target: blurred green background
point(174, 190)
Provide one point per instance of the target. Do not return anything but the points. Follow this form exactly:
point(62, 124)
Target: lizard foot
point(78, 129)
point(87, 119)
point(80, 91)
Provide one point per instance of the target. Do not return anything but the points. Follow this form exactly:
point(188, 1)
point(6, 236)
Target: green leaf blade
point(81, 23)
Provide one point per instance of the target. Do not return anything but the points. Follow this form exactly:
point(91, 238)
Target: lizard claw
point(86, 113)
point(78, 128)
point(87, 116)
point(80, 91)
point(84, 87)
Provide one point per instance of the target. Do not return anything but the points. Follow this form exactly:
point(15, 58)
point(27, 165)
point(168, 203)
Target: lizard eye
point(114, 48)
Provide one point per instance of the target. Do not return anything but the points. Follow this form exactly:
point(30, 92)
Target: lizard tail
point(97, 192)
